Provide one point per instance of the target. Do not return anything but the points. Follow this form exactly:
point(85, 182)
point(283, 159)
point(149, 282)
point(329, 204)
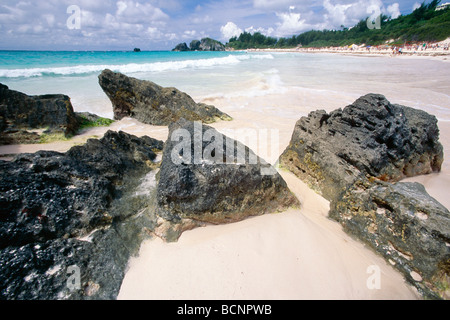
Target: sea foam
point(130, 67)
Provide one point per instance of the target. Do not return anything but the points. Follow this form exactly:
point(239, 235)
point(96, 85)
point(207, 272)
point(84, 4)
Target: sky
point(161, 24)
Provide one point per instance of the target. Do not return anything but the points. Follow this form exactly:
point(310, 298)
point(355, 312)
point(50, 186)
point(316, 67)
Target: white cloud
point(171, 36)
point(200, 20)
point(271, 4)
point(349, 13)
point(121, 7)
point(12, 14)
point(154, 33)
point(90, 19)
point(121, 23)
point(394, 10)
point(189, 34)
point(50, 19)
point(267, 32)
point(136, 12)
point(336, 14)
point(416, 6)
point(291, 23)
point(230, 30)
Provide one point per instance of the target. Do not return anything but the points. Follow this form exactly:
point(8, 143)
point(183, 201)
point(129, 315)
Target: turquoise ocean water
point(75, 73)
point(303, 82)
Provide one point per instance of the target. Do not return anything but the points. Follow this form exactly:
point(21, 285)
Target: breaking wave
point(131, 67)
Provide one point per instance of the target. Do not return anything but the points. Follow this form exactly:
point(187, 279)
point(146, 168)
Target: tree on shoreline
point(424, 24)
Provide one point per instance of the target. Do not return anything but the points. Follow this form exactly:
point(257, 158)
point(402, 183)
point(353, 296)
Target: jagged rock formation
point(20, 112)
point(370, 136)
point(206, 44)
point(77, 209)
point(153, 104)
point(195, 45)
point(181, 47)
point(405, 225)
point(211, 178)
point(353, 157)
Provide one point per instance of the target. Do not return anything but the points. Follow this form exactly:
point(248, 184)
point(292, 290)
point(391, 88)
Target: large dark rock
point(77, 209)
point(353, 157)
point(20, 111)
point(195, 45)
point(206, 176)
point(369, 137)
point(181, 47)
point(208, 44)
point(152, 104)
point(405, 225)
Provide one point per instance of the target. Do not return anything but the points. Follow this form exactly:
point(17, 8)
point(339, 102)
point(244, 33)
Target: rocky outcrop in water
point(152, 104)
point(206, 44)
point(181, 47)
point(20, 112)
point(69, 222)
point(208, 177)
point(369, 137)
point(353, 157)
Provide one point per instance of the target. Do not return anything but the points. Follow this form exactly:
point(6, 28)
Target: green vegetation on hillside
point(87, 120)
point(423, 24)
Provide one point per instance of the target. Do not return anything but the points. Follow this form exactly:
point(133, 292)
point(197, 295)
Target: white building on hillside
point(443, 6)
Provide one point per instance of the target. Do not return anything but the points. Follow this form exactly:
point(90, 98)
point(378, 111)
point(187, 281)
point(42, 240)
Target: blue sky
point(161, 24)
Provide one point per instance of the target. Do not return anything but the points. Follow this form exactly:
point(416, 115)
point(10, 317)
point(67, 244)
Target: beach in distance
point(297, 254)
point(438, 50)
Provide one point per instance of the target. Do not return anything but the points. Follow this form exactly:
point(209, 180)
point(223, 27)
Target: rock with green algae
point(20, 112)
point(152, 104)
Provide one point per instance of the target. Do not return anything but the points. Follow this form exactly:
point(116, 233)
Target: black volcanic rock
point(152, 104)
point(370, 136)
point(20, 111)
point(78, 208)
point(216, 180)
